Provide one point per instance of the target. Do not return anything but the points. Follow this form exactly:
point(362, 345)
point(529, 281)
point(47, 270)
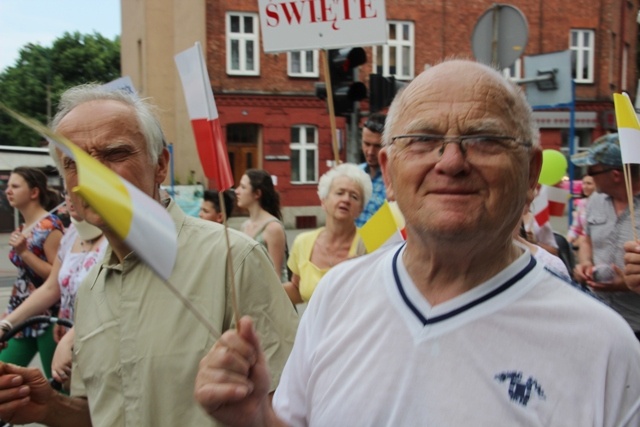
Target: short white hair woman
point(344, 191)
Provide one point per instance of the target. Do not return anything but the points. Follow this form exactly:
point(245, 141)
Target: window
point(582, 44)
point(243, 45)
point(612, 51)
point(396, 57)
point(304, 154)
point(514, 71)
point(303, 63)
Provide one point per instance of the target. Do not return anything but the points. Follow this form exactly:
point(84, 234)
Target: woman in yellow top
point(343, 191)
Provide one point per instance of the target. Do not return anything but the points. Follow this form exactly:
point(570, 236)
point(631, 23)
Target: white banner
point(321, 24)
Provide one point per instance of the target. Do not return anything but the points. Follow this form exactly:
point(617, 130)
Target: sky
point(43, 21)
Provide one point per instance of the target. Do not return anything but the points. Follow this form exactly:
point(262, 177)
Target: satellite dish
point(500, 36)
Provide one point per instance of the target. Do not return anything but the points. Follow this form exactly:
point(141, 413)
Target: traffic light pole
point(332, 113)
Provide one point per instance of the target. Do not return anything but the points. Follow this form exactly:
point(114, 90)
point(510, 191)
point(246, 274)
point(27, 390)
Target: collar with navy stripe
point(506, 285)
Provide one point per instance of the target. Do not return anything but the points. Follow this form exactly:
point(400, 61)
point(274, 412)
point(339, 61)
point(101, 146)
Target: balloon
point(554, 167)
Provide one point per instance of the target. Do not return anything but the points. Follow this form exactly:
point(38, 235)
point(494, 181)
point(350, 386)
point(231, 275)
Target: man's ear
point(384, 161)
point(162, 167)
point(535, 165)
point(618, 175)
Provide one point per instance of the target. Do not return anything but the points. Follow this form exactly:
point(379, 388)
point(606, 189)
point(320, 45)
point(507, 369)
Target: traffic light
point(382, 90)
point(345, 89)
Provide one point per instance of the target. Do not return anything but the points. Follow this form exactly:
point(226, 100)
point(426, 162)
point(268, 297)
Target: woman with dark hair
point(257, 194)
point(34, 247)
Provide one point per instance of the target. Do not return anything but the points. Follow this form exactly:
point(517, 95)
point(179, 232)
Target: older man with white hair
point(460, 325)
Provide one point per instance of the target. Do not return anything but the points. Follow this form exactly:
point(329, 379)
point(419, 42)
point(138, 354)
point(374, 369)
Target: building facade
point(271, 118)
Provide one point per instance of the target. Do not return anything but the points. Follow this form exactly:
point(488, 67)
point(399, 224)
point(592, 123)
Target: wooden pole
point(332, 112)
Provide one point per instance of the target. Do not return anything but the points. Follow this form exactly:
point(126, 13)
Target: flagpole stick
point(626, 167)
point(193, 309)
point(26, 230)
point(332, 112)
point(234, 297)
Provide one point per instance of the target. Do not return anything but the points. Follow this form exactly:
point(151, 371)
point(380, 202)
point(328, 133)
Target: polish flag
point(628, 128)
point(558, 198)
point(203, 113)
point(540, 206)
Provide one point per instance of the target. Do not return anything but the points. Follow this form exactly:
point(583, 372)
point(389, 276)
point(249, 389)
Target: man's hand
point(61, 363)
point(632, 265)
point(233, 381)
point(583, 272)
point(24, 394)
point(617, 284)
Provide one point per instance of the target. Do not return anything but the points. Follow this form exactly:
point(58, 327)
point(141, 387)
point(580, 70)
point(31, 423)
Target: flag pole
point(25, 231)
point(232, 279)
point(626, 167)
point(332, 112)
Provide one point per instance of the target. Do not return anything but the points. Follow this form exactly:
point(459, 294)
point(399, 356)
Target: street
point(7, 270)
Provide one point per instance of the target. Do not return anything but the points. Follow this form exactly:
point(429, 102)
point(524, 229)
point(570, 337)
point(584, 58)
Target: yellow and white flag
point(384, 227)
point(141, 222)
point(628, 128)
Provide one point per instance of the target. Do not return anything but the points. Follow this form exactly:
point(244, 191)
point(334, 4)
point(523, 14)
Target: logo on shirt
point(521, 391)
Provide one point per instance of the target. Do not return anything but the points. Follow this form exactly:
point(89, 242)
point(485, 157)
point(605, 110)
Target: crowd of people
point(470, 312)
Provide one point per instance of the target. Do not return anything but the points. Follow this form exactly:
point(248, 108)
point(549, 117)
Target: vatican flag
point(385, 227)
point(141, 222)
point(628, 128)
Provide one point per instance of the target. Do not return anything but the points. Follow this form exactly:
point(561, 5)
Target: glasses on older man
point(594, 173)
point(470, 145)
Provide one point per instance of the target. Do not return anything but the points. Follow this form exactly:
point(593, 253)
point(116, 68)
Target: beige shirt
point(137, 348)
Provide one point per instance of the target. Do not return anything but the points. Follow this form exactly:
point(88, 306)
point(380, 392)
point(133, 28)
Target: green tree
point(33, 85)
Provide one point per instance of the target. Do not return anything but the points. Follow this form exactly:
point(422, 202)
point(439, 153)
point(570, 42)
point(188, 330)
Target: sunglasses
point(594, 173)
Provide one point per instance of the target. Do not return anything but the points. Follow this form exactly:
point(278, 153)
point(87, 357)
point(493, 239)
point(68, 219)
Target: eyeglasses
point(594, 173)
point(470, 145)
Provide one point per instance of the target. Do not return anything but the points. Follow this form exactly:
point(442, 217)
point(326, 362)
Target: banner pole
point(332, 113)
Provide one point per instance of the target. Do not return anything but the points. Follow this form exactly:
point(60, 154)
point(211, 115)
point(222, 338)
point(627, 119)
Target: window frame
point(242, 38)
point(517, 68)
point(383, 51)
point(578, 50)
point(304, 73)
point(303, 146)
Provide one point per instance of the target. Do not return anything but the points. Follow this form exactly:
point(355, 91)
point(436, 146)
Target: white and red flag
point(540, 206)
point(203, 114)
point(558, 198)
point(550, 201)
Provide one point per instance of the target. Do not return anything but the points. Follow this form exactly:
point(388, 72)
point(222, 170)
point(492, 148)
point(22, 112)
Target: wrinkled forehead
point(458, 98)
point(101, 122)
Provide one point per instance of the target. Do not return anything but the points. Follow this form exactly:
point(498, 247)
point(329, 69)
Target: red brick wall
point(443, 29)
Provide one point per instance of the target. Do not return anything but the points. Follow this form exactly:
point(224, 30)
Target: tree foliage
point(33, 85)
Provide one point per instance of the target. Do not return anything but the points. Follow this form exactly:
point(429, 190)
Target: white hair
point(351, 171)
point(142, 109)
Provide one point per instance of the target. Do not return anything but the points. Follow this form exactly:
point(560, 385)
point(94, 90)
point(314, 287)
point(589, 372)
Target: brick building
point(268, 110)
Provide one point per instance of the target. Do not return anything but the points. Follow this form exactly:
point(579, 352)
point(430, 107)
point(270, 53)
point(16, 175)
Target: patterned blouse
point(27, 280)
point(74, 267)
